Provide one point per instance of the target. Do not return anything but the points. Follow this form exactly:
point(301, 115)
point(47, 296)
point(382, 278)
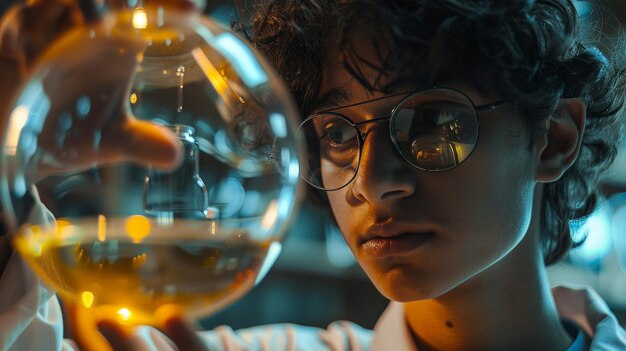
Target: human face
point(420, 234)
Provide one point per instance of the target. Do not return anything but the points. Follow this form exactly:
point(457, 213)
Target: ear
point(558, 147)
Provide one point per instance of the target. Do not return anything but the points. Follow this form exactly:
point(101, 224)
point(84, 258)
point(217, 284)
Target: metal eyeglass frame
point(409, 95)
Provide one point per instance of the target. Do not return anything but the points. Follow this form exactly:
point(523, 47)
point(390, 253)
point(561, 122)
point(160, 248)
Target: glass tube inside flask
point(180, 193)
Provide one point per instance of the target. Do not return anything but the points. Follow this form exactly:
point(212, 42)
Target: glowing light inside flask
point(133, 98)
point(139, 260)
point(124, 313)
point(137, 227)
point(102, 228)
point(65, 228)
point(87, 298)
point(140, 18)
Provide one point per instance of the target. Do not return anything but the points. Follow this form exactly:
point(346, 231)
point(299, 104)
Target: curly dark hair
point(528, 51)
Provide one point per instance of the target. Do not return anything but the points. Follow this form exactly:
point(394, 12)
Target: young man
point(453, 141)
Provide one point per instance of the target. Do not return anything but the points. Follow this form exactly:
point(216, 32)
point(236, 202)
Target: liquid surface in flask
point(130, 279)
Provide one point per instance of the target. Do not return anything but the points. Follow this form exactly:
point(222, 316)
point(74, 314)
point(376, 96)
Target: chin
point(403, 285)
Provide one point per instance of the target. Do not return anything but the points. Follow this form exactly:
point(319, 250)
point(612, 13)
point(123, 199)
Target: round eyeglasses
point(432, 130)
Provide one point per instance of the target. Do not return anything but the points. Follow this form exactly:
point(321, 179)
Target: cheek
point(499, 212)
point(485, 210)
point(493, 209)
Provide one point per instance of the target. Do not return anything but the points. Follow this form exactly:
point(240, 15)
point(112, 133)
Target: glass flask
point(151, 159)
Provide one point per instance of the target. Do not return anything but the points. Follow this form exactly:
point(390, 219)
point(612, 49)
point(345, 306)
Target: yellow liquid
point(129, 280)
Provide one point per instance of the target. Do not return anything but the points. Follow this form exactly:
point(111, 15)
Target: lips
point(396, 244)
point(394, 237)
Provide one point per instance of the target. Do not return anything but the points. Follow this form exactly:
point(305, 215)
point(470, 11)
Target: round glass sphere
point(151, 160)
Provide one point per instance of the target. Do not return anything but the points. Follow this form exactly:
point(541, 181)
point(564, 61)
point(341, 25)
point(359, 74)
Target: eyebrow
point(339, 97)
point(335, 97)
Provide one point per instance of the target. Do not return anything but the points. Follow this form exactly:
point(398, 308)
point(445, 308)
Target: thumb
point(84, 328)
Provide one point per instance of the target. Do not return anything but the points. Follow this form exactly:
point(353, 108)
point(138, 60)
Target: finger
point(179, 329)
point(84, 328)
point(144, 143)
point(119, 337)
point(141, 142)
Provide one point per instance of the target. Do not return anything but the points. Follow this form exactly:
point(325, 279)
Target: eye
point(338, 135)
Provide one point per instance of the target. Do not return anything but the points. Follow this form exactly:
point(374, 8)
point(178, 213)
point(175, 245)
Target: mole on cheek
point(449, 324)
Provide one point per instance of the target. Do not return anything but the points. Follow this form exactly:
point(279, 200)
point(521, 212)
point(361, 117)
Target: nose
point(383, 176)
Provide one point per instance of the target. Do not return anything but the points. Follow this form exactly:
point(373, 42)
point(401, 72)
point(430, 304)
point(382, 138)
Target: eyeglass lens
point(433, 130)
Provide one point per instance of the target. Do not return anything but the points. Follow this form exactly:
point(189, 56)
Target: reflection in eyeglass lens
point(431, 152)
point(435, 132)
